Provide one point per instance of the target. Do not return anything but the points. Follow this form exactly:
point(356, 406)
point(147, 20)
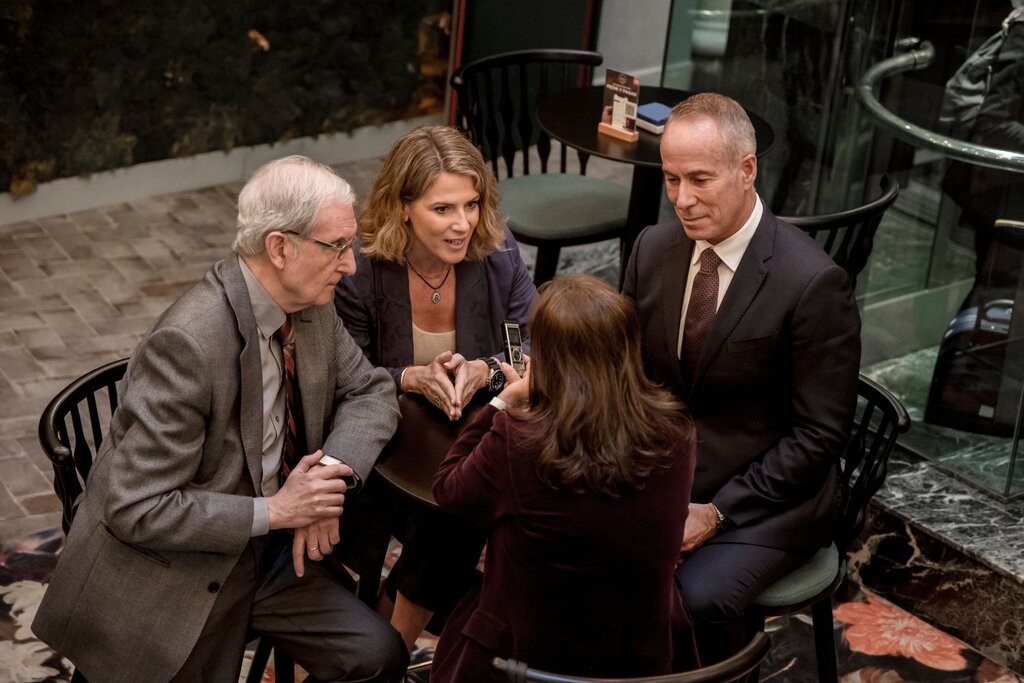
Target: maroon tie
point(701, 310)
point(294, 447)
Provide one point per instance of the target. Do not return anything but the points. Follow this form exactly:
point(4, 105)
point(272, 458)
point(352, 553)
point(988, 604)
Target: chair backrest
point(72, 428)
point(848, 236)
point(880, 420)
point(732, 669)
point(497, 100)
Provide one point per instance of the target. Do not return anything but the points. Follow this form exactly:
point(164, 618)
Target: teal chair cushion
point(805, 582)
point(563, 207)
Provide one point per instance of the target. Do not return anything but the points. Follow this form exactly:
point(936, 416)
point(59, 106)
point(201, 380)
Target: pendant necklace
point(436, 296)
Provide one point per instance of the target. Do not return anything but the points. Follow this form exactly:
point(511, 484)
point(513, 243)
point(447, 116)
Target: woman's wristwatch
point(496, 378)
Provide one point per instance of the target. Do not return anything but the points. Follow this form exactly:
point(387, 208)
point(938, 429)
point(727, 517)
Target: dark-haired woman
point(583, 485)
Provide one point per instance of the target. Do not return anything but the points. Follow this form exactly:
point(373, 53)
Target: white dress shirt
point(730, 251)
point(269, 318)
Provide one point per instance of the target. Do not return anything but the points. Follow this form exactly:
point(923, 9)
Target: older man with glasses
point(248, 413)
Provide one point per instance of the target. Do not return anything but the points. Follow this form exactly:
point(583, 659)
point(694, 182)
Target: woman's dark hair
point(604, 426)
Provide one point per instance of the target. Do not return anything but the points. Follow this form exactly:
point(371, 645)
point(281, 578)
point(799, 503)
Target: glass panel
point(941, 328)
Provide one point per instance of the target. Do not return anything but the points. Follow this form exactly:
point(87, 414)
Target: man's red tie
point(701, 311)
point(294, 435)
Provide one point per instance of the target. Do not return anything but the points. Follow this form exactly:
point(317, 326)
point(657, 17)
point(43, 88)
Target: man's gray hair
point(734, 125)
point(286, 194)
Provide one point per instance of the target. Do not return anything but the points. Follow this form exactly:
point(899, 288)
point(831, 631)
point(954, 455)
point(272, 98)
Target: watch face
point(497, 381)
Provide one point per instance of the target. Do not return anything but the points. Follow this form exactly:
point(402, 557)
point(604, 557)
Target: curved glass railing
point(916, 60)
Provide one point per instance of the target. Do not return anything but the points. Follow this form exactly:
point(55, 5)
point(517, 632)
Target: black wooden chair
point(71, 431)
point(848, 236)
point(880, 421)
point(735, 668)
point(497, 103)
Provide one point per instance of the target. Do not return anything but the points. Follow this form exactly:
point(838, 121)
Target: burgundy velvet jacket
point(575, 583)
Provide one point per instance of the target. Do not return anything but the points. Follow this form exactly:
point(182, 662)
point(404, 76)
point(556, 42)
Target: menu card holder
point(618, 118)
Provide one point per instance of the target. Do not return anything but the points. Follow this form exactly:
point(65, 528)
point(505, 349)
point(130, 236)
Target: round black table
point(572, 117)
point(411, 459)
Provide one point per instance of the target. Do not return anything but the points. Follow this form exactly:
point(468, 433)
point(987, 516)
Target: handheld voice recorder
point(513, 345)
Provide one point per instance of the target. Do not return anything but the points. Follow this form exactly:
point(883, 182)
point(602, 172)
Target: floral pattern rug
point(877, 641)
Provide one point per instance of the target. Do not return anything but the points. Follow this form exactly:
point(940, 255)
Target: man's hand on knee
point(701, 525)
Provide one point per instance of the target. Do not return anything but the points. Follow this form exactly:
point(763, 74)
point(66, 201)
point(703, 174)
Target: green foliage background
point(90, 85)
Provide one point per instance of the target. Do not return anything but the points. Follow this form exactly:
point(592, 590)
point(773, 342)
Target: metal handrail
point(915, 60)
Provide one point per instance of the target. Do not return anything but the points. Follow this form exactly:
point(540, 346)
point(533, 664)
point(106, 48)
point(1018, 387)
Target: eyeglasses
point(341, 246)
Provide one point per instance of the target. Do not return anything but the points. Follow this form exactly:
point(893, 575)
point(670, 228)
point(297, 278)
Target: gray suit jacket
point(168, 505)
point(775, 387)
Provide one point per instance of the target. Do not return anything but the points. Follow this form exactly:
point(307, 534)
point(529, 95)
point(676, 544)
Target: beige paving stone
point(9, 509)
point(132, 308)
point(21, 229)
point(115, 287)
point(58, 225)
point(76, 365)
point(135, 269)
point(170, 289)
point(118, 343)
point(34, 452)
point(34, 304)
point(119, 326)
point(134, 217)
point(18, 425)
point(42, 248)
point(22, 406)
point(83, 265)
point(32, 288)
point(8, 339)
point(69, 325)
point(10, 447)
point(8, 291)
point(89, 304)
point(43, 388)
point(93, 218)
point(21, 478)
point(18, 365)
point(40, 503)
point(53, 351)
point(17, 267)
point(39, 337)
point(8, 389)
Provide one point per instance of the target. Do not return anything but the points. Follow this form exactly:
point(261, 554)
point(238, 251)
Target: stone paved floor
point(79, 290)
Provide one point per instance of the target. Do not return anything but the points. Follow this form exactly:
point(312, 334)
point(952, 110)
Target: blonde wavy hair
point(412, 166)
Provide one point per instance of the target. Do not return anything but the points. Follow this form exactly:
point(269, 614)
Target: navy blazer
point(374, 305)
point(775, 387)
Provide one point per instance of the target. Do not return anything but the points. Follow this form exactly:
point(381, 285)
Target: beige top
point(427, 345)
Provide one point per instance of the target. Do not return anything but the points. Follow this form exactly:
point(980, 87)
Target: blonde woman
point(437, 273)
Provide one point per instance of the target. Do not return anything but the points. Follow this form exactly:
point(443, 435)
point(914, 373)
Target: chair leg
point(284, 667)
point(259, 661)
point(547, 264)
point(825, 640)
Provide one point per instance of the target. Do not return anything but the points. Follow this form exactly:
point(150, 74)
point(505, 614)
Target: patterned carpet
point(877, 642)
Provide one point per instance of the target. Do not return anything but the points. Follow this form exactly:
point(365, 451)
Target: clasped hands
point(310, 501)
point(450, 381)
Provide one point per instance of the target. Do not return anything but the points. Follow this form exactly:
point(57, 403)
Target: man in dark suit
point(179, 550)
point(752, 324)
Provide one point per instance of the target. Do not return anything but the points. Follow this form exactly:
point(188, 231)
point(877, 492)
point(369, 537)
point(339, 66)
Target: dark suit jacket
point(168, 507)
point(374, 303)
point(574, 582)
point(775, 387)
